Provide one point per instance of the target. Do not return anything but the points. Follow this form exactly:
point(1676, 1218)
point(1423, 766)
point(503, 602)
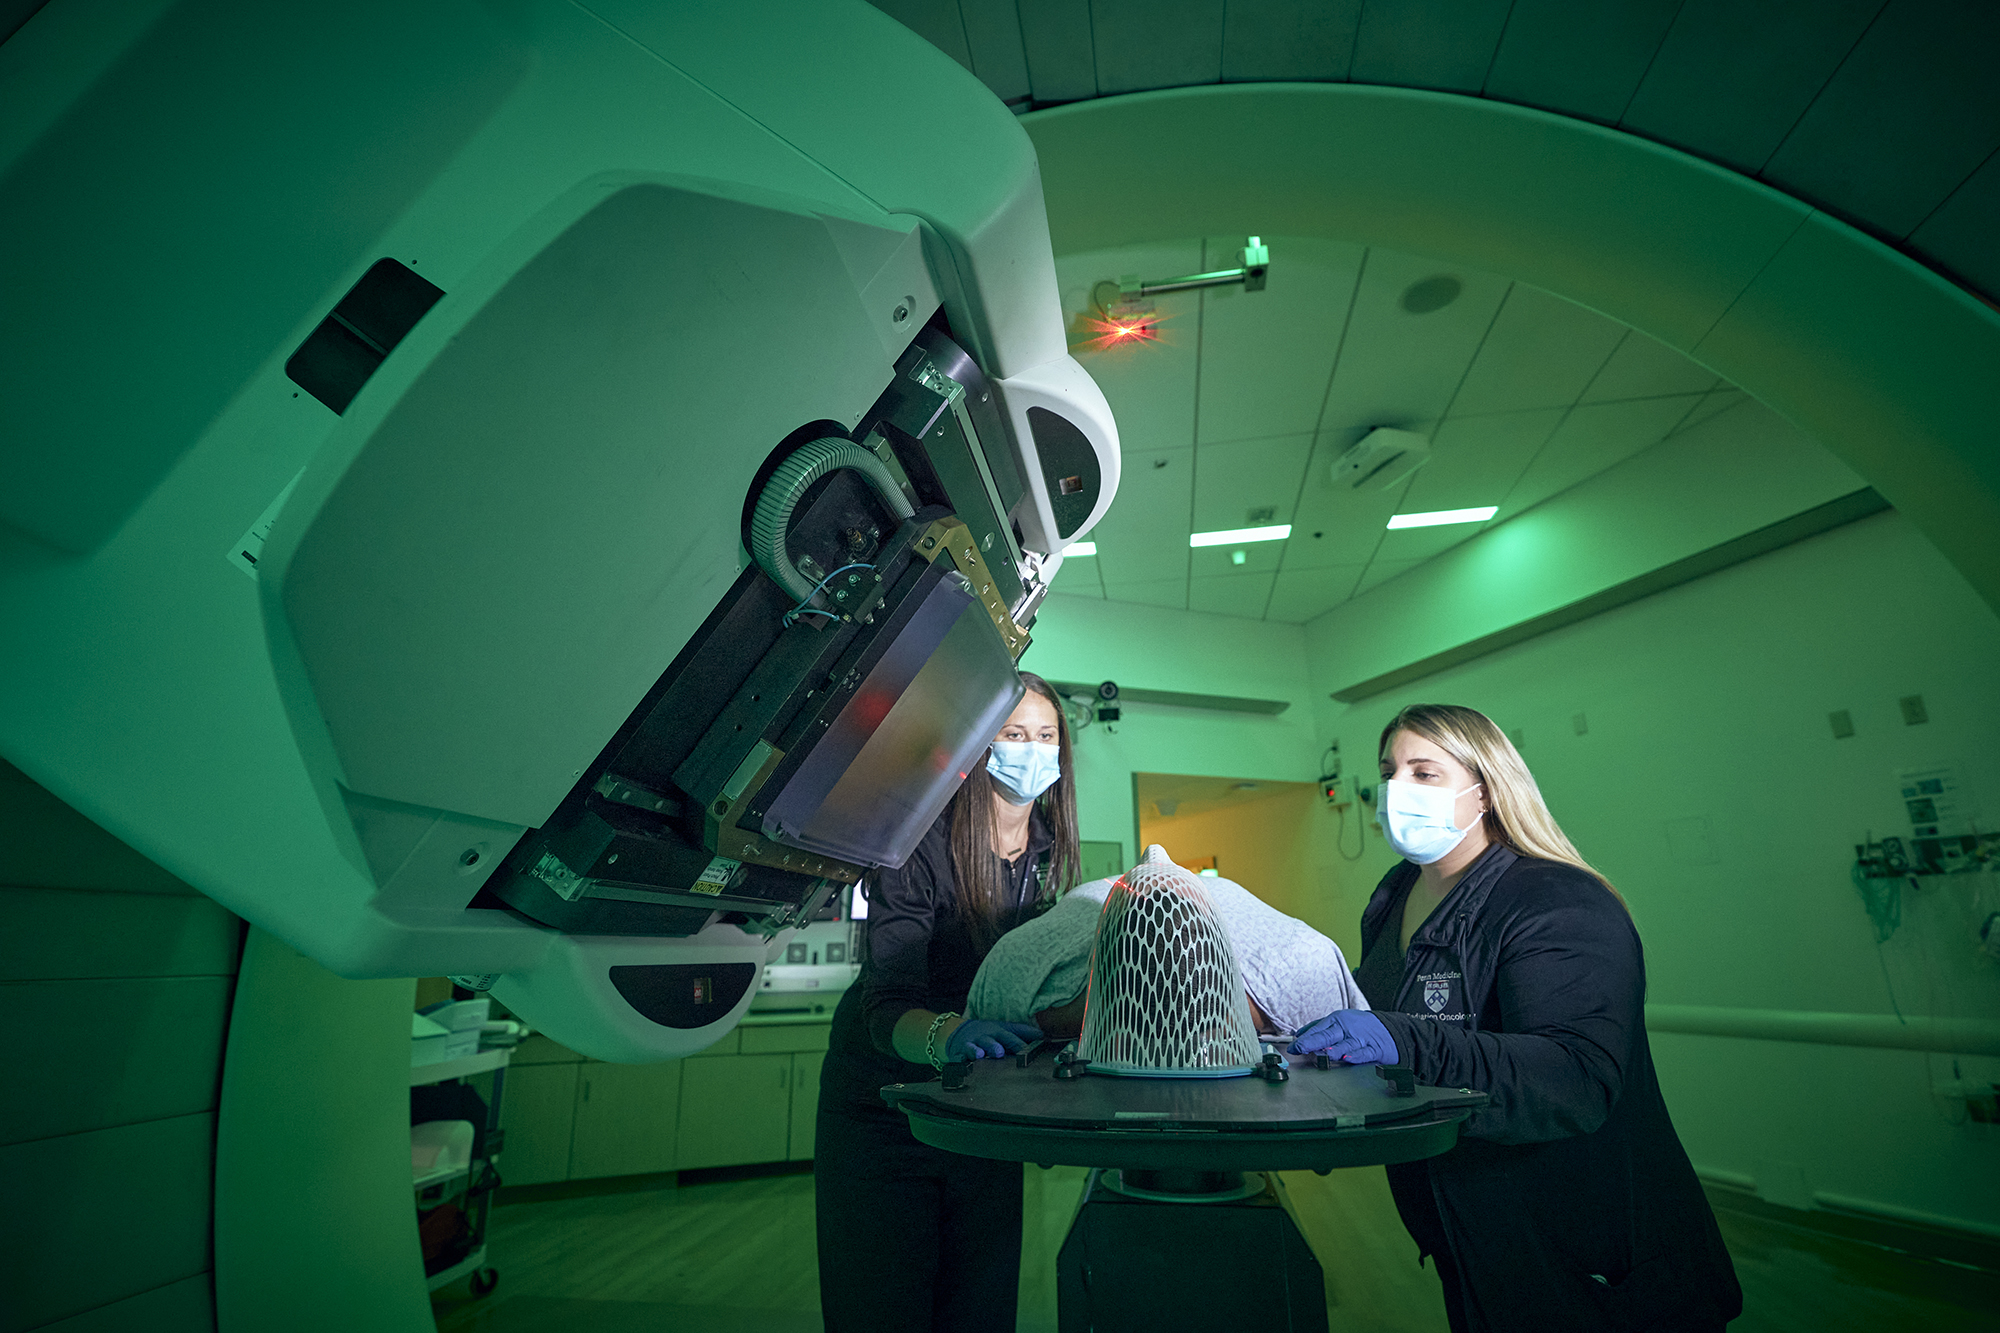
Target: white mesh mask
point(1166, 995)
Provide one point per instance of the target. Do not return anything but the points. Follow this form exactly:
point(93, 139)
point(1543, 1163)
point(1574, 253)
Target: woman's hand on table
point(988, 1038)
point(1351, 1036)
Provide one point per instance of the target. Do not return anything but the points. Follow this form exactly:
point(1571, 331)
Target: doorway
point(1259, 833)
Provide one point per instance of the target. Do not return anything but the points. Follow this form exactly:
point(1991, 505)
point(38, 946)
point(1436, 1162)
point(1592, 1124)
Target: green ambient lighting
point(1437, 518)
point(1275, 533)
point(1080, 548)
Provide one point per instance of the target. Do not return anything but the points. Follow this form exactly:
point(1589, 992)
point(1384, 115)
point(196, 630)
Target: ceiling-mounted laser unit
point(1253, 264)
point(1383, 458)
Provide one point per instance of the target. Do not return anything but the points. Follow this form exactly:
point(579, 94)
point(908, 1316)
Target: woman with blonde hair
point(1495, 957)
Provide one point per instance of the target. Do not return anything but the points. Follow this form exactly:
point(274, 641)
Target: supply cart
point(455, 1241)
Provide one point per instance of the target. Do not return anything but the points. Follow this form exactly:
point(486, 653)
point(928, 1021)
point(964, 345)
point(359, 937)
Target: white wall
point(1709, 787)
point(1085, 639)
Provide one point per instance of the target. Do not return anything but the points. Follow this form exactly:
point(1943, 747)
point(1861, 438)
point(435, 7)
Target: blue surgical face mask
point(1416, 819)
point(1024, 770)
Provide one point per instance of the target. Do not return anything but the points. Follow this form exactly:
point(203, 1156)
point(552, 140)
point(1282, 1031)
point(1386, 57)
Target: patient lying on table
point(1038, 972)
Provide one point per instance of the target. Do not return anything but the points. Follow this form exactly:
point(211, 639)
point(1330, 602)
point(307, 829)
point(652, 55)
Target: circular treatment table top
point(1315, 1120)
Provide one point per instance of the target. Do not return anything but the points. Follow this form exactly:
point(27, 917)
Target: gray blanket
point(1294, 973)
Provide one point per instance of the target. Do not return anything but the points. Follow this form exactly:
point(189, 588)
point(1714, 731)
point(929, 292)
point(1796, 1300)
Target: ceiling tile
point(1333, 523)
point(1443, 44)
point(1078, 577)
point(1153, 592)
point(1231, 594)
point(1732, 78)
point(1288, 40)
point(1265, 356)
point(1150, 386)
point(1217, 562)
point(1960, 236)
point(1911, 113)
point(1300, 594)
point(1593, 438)
point(999, 57)
point(1644, 367)
point(1231, 480)
point(1580, 57)
point(1056, 36)
point(1476, 460)
point(1541, 353)
point(1156, 43)
point(1397, 368)
point(1719, 400)
point(1381, 571)
point(936, 21)
point(1144, 534)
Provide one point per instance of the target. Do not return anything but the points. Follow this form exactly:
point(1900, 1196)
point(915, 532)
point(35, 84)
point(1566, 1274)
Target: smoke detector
point(1383, 458)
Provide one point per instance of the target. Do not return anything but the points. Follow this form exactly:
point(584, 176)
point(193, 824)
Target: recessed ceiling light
point(1080, 548)
point(1275, 533)
point(1437, 518)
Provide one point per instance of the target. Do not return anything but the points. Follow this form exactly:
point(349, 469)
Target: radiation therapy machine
point(546, 493)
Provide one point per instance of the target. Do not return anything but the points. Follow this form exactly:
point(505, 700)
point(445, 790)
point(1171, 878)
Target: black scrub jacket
point(1569, 1202)
point(920, 954)
point(912, 1237)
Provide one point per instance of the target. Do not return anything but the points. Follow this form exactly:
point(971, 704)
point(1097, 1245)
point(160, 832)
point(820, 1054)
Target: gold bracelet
point(930, 1039)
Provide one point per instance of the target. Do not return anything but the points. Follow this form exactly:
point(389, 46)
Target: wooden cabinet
point(539, 1115)
point(735, 1111)
point(805, 1104)
point(750, 1098)
point(626, 1119)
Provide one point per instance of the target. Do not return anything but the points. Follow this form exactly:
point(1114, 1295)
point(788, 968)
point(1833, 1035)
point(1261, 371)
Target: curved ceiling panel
point(1882, 112)
point(1881, 360)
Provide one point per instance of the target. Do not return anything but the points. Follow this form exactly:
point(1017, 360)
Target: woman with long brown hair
point(912, 1237)
point(1495, 957)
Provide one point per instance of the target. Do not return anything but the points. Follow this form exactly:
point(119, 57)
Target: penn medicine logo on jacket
point(1439, 992)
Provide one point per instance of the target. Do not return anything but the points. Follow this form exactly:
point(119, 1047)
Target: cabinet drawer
point(805, 1104)
point(735, 1112)
point(626, 1116)
point(538, 1110)
point(785, 1037)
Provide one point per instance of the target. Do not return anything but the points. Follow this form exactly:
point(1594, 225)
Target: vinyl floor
point(735, 1255)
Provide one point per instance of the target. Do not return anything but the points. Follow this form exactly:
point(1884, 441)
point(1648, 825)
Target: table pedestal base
point(1167, 1251)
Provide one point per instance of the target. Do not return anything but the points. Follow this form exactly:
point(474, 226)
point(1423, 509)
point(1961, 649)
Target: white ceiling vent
point(1383, 458)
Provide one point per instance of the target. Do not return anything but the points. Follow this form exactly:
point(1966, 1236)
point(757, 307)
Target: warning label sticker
point(716, 877)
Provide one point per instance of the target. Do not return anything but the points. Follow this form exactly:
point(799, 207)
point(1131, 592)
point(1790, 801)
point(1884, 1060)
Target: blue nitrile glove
point(979, 1038)
point(1351, 1036)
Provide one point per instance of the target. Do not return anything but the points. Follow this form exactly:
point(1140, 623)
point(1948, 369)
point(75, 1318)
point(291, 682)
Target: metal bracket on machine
point(948, 536)
point(743, 844)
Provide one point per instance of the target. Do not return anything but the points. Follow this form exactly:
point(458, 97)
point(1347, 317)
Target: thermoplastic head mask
point(1416, 819)
point(1166, 995)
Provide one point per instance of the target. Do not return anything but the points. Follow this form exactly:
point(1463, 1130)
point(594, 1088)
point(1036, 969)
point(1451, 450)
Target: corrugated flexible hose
point(803, 467)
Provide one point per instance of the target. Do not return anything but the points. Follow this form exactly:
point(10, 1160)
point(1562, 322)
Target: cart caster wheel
point(483, 1281)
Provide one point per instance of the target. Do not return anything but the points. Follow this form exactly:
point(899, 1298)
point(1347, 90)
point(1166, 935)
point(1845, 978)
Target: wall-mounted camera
point(1107, 701)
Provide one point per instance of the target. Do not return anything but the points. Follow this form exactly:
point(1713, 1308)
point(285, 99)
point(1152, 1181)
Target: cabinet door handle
point(784, 1073)
point(586, 1089)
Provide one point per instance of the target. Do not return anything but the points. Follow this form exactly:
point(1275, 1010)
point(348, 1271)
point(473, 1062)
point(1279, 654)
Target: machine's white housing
point(668, 235)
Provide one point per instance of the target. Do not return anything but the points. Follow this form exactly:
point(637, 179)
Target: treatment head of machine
point(602, 519)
